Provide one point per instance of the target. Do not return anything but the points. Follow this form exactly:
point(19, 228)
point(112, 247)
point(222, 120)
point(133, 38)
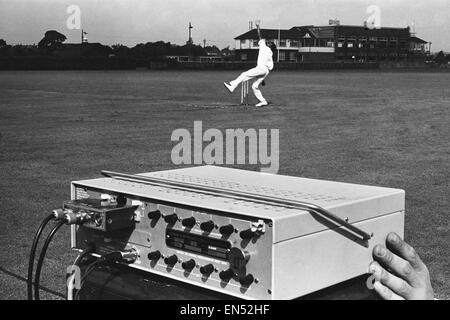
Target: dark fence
point(115, 63)
point(54, 63)
point(278, 66)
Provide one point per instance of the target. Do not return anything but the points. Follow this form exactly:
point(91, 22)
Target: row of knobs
point(226, 276)
point(207, 226)
point(206, 270)
point(186, 265)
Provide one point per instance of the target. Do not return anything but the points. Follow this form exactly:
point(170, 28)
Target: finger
point(395, 284)
point(405, 251)
point(385, 292)
point(400, 267)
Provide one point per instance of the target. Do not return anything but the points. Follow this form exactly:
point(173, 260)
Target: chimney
point(334, 22)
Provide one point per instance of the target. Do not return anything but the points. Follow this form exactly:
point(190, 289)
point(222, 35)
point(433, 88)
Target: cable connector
point(71, 217)
point(128, 256)
point(59, 214)
point(79, 217)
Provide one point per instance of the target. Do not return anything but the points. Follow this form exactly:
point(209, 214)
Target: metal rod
point(240, 195)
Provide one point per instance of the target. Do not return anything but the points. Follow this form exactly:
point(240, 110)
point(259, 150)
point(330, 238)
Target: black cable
point(88, 250)
point(112, 257)
point(33, 254)
point(88, 271)
point(91, 268)
point(37, 276)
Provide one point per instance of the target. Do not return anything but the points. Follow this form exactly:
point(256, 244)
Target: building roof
point(417, 40)
point(363, 31)
point(326, 32)
point(330, 31)
point(316, 32)
point(270, 34)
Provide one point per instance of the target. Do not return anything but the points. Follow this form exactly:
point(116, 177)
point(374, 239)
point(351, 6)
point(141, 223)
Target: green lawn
point(377, 128)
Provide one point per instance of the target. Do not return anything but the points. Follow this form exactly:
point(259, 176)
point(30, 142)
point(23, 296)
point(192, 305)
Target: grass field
point(377, 128)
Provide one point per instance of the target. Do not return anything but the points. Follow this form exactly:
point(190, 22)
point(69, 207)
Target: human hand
point(399, 272)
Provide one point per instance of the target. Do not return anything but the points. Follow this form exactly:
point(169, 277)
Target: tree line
point(53, 42)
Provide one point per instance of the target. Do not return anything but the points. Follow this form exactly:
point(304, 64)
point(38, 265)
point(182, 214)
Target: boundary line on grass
point(43, 288)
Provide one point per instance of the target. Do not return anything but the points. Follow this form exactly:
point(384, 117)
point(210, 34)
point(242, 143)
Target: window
point(330, 44)
point(282, 56)
point(255, 43)
point(243, 41)
point(350, 45)
point(293, 56)
point(360, 45)
point(295, 43)
point(340, 44)
point(283, 43)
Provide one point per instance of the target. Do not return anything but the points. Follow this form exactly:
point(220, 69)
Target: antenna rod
point(217, 191)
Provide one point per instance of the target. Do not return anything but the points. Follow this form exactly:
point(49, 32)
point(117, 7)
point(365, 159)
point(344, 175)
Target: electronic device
point(246, 234)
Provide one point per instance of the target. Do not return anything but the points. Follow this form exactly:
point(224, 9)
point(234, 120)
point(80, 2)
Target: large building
point(335, 43)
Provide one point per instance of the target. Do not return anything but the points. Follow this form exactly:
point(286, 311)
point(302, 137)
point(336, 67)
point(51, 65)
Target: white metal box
point(294, 251)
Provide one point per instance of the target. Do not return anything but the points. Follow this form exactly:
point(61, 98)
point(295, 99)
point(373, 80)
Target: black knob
point(188, 265)
point(188, 222)
point(226, 230)
point(171, 260)
point(207, 269)
point(207, 226)
point(154, 256)
point(247, 280)
point(247, 234)
point(154, 215)
point(226, 275)
point(238, 259)
point(171, 218)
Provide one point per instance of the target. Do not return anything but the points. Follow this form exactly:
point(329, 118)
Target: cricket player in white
point(260, 72)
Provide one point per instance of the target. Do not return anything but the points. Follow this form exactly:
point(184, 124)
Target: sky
point(218, 21)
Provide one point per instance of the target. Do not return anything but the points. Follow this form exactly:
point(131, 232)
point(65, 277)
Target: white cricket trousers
point(258, 73)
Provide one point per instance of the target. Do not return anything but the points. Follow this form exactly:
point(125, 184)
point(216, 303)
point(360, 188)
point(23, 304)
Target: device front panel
point(222, 251)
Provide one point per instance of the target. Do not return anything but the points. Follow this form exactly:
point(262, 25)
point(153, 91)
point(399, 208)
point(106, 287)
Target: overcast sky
point(219, 21)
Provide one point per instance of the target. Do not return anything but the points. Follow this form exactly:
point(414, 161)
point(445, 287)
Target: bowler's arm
point(258, 29)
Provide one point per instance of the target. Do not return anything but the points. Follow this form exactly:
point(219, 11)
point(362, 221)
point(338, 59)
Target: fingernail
point(372, 268)
point(393, 238)
point(380, 251)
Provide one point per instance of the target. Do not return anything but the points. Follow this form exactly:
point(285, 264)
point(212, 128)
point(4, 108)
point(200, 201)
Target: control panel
point(213, 249)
